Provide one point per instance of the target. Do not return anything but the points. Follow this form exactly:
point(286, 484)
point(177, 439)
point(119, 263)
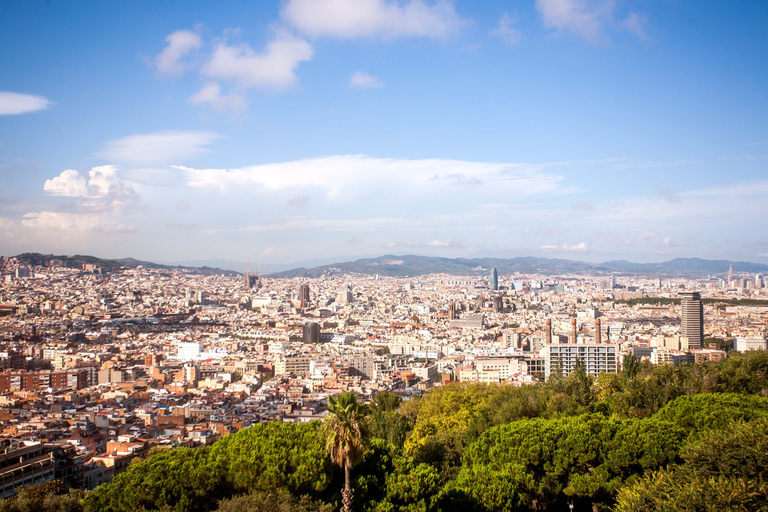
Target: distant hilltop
point(412, 266)
point(33, 259)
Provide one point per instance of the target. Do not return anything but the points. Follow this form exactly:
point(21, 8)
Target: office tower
point(613, 281)
point(311, 332)
point(730, 274)
point(598, 334)
point(692, 319)
point(494, 279)
point(304, 293)
point(758, 281)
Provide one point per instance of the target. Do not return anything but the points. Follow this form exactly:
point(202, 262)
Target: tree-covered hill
point(692, 437)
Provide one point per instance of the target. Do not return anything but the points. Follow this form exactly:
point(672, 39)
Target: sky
point(306, 130)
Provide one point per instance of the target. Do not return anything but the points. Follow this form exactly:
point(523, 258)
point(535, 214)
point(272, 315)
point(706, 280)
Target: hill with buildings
point(412, 266)
point(33, 259)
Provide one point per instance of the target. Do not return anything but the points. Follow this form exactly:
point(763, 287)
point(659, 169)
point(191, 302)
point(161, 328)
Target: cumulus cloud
point(357, 172)
point(506, 31)
point(583, 17)
point(171, 146)
point(211, 94)
point(102, 186)
point(17, 103)
point(180, 44)
point(362, 80)
point(69, 183)
point(348, 19)
point(273, 68)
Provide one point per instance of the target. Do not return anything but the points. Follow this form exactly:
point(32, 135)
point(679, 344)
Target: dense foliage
point(669, 438)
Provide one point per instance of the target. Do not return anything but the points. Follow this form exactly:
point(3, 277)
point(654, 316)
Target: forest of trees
point(687, 438)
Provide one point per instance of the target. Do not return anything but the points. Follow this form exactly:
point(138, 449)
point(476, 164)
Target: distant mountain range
point(411, 266)
point(78, 260)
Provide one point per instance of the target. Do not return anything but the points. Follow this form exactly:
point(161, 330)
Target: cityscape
point(383, 256)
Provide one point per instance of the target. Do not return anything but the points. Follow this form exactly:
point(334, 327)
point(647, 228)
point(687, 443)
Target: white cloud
point(583, 17)
point(362, 80)
point(171, 146)
point(211, 94)
point(581, 247)
point(349, 19)
point(6, 228)
point(69, 183)
point(180, 44)
point(273, 68)
point(17, 103)
point(79, 222)
point(358, 172)
point(103, 188)
point(505, 30)
point(445, 244)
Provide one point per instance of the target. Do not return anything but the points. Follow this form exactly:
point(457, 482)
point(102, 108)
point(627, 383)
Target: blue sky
point(283, 131)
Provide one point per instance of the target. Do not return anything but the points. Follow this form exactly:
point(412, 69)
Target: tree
point(631, 367)
point(725, 470)
point(347, 438)
point(272, 501)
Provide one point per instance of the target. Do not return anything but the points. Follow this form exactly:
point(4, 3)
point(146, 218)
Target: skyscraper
point(692, 319)
point(311, 332)
point(494, 281)
point(304, 293)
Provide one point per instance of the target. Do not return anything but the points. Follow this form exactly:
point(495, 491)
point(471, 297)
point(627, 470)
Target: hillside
point(77, 261)
point(412, 266)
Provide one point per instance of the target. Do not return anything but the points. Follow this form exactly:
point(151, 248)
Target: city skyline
point(289, 131)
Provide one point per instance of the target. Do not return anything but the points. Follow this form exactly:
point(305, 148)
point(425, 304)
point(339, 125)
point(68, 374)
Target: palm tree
point(347, 437)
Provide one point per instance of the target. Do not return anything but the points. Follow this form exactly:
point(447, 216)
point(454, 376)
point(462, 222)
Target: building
point(494, 280)
point(692, 319)
point(468, 322)
point(596, 358)
point(744, 343)
point(311, 332)
point(42, 380)
point(296, 364)
point(304, 293)
point(25, 465)
point(190, 350)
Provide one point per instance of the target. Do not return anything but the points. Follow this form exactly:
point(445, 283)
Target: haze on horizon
point(306, 130)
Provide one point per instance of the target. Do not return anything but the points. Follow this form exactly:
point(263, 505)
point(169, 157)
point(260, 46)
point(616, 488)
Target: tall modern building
point(304, 292)
point(311, 332)
point(494, 279)
point(692, 319)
